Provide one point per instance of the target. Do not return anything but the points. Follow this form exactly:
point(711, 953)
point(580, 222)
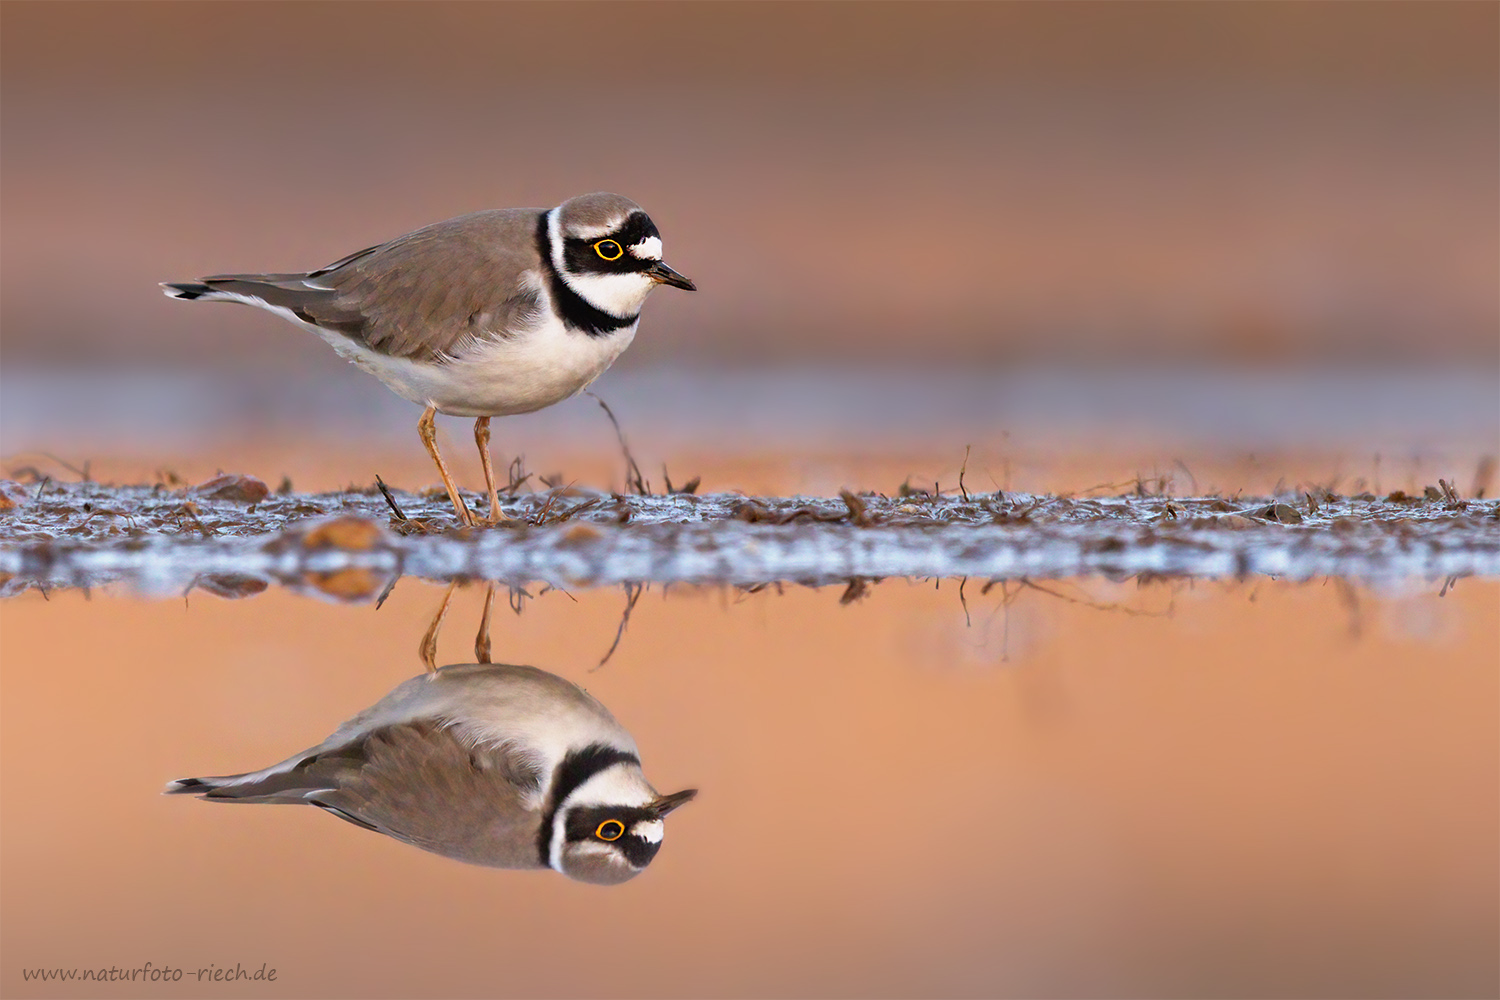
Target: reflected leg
point(427, 649)
point(482, 639)
point(427, 427)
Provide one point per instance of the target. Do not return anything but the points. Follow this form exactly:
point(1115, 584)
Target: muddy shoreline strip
point(235, 536)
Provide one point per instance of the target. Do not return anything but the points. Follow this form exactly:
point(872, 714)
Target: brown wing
point(422, 295)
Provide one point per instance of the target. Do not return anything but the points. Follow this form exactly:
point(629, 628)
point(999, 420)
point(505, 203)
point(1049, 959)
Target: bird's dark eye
point(610, 829)
point(609, 250)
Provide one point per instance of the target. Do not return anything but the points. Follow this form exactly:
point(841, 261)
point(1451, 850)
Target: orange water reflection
point(1253, 788)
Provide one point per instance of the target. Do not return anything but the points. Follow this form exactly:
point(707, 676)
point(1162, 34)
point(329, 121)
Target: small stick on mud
point(691, 486)
point(633, 593)
point(633, 479)
point(386, 492)
point(82, 474)
point(859, 514)
point(541, 515)
point(30, 472)
point(191, 510)
point(1101, 487)
point(109, 512)
point(961, 470)
point(579, 509)
point(516, 475)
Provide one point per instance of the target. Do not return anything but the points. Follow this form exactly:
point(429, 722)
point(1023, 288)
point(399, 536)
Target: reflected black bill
point(667, 803)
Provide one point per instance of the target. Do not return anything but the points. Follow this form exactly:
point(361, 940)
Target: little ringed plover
point(492, 313)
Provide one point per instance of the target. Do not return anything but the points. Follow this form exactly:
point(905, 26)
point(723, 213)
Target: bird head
point(607, 251)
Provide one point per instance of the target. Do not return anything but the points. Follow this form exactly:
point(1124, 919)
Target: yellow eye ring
point(610, 829)
point(603, 248)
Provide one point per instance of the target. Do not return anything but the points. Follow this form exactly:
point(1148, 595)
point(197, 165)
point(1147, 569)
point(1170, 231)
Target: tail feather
point(287, 291)
point(227, 787)
point(187, 290)
point(290, 781)
point(256, 786)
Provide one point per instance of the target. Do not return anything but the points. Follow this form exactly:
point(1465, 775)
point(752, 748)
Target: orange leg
point(427, 427)
point(482, 440)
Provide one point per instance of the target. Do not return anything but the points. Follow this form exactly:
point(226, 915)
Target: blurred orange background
point(1183, 788)
point(1078, 183)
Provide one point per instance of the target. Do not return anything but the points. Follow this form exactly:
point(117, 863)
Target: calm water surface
point(1069, 788)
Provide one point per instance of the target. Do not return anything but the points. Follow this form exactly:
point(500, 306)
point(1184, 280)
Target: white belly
point(515, 374)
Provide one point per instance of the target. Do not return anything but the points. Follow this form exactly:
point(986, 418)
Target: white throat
point(619, 295)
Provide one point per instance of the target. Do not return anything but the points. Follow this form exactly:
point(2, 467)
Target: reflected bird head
point(609, 845)
point(609, 822)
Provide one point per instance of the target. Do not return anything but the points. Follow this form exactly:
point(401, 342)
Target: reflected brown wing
point(419, 783)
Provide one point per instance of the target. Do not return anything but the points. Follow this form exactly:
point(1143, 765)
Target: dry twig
point(633, 593)
point(389, 499)
point(633, 479)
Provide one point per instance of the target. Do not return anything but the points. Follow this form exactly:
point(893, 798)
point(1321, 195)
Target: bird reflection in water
point(492, 764)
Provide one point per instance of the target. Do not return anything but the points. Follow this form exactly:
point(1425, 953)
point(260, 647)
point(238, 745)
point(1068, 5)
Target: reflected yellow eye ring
point(610, 829)
point(603, 248)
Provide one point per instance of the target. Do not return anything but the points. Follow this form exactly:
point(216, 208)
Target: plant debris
point(244, 489)
point(350, 545)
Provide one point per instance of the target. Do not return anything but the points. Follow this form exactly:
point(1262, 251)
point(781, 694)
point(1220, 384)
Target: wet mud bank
point(235, 536)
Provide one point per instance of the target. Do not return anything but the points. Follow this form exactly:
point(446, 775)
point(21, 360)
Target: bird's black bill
point(664, 275)
point(667, 803)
